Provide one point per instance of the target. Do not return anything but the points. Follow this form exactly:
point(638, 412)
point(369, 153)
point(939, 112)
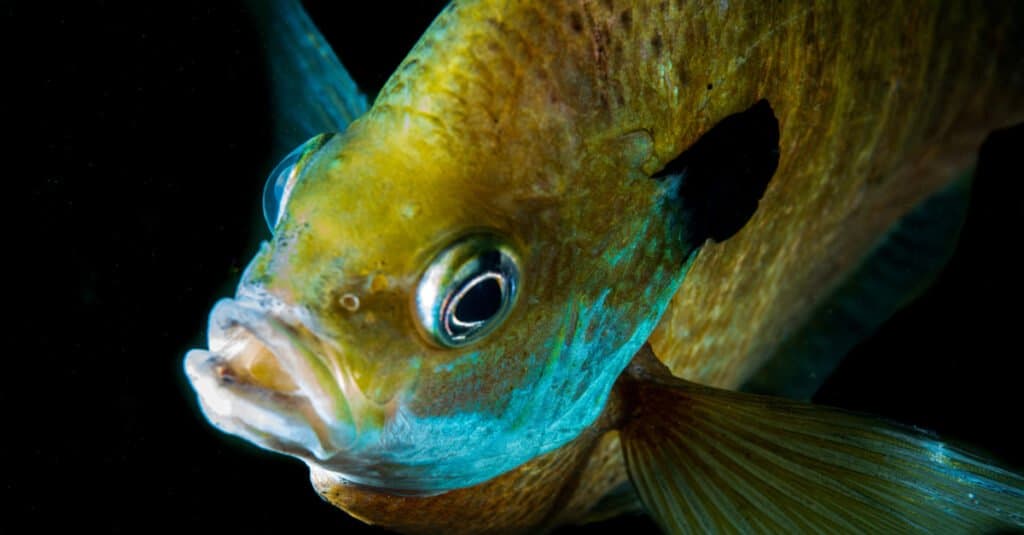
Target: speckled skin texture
point(551, 490)
point(546, 118)
point(879, 105)
point(498, 505)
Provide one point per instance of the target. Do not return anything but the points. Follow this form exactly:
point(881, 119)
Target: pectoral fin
point(709, 460)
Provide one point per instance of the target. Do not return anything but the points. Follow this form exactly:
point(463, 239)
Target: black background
point(142, 142)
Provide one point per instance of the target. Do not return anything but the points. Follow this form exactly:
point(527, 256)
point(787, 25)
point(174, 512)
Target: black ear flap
point(725, 173)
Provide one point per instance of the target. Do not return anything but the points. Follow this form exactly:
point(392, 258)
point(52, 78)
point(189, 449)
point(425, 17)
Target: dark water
point(143, 141)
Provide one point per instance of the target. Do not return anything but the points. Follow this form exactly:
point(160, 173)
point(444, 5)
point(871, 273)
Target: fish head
point(449, 292)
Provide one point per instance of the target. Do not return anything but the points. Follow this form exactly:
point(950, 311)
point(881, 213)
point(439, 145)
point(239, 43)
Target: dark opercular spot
point(480, 303)
point(725, 173)
point(576, 22)
point(711, 86)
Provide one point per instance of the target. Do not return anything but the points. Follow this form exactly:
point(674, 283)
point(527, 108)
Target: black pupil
point(480, 303)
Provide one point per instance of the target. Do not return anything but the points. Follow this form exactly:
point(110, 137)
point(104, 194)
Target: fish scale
point(562, 129)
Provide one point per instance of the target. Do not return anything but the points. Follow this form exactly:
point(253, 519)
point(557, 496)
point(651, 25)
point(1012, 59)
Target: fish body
point(443, 323)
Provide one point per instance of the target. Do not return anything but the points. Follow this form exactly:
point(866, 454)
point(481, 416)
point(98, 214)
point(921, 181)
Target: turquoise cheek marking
point(569, 374)
point(465, 361)
point(573, 375)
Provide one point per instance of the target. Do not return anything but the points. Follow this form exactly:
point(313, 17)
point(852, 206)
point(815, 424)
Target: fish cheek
point(364, 322)
point(482, 377)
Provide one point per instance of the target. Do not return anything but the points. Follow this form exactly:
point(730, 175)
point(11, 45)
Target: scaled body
point(539, 126)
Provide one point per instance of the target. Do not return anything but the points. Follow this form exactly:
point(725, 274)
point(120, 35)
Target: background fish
point(318, 346)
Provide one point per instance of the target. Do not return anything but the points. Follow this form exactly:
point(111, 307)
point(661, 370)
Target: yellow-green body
point(880, 104)
point(544, 122)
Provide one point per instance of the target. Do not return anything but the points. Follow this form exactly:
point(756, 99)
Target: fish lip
point(300, 418)
point(325, 420)
point(269, 419)
point(320, 415)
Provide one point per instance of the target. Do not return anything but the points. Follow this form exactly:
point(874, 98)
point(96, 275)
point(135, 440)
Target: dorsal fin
point(724, 173)
point(312, 91)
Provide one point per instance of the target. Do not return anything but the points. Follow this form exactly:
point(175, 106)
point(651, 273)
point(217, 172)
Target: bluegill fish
point(520, 289)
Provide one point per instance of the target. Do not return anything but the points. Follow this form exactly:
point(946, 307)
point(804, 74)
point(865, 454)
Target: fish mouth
point(269, 379)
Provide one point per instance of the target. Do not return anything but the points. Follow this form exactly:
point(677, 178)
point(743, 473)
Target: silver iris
point(467, 290)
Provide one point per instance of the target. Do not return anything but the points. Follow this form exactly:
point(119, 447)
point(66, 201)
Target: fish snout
point(271, 377)
point(266, 377)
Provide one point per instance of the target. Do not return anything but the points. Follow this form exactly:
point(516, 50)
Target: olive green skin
point(544, 120)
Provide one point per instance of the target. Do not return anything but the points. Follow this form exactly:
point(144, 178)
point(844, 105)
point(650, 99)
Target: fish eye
point(468, 290)
point(282, 178)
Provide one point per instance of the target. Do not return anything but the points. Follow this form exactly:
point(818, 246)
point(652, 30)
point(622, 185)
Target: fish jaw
point(272, 420)
point(268, 379)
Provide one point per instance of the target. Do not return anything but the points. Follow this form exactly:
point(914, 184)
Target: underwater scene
point(525, 267)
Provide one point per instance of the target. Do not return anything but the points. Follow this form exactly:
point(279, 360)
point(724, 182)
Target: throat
point(559, 487)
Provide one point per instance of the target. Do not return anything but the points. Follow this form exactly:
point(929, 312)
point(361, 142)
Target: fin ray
point(704, 459)
point(778, 522)
point(312, 91)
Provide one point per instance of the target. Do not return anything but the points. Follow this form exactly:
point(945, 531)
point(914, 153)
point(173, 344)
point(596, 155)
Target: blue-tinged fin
point(312, 91)
point(705, 460)
point(903, 264)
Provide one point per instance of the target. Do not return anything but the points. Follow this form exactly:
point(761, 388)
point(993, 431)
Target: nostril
point(350, 302)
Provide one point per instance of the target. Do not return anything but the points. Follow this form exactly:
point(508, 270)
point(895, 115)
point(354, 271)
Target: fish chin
point(266, 378)
point(273, 420)
point(269, 378)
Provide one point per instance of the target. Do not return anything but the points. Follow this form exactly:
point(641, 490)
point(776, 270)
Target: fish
point(563, 265)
